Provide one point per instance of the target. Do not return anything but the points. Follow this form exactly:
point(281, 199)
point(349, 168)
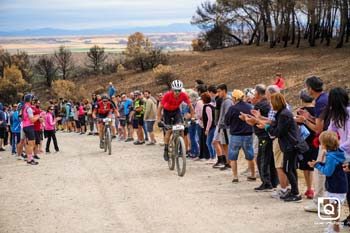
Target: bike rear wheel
point(171, 161)
point(180, 156)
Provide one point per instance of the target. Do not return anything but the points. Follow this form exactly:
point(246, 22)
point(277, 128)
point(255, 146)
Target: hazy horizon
point(93, 14)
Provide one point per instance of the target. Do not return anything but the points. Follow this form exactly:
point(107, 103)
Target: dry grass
point(240, 67)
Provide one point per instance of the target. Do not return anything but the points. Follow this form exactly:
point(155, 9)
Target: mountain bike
point(107, 135)
point(176, 149)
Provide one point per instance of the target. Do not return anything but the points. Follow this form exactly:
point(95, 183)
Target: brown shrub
point(164, 75)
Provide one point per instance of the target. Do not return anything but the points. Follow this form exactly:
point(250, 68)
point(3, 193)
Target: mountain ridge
point(175, 28)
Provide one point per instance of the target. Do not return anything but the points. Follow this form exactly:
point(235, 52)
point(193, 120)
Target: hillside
point(240, 67)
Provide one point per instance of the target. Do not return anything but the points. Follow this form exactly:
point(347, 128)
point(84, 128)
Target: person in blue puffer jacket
point(15, 129)
point(336, 180)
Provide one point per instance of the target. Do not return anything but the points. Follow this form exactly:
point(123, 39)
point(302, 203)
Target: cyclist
point(103, 109)
point(170, 105)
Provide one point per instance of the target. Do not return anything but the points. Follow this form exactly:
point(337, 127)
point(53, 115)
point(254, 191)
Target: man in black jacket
point(265, 160)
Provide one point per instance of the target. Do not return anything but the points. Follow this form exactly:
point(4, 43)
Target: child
point(332, 168)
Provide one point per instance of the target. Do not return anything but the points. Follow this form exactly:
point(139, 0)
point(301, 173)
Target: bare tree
point(46, 68)
point(64, 61)
point(96, 58)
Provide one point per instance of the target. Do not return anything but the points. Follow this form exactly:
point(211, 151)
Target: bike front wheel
point(171, 161)
point(108, 139)
point(180, 156)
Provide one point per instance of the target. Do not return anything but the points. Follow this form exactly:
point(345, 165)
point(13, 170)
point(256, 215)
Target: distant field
point(78, 44)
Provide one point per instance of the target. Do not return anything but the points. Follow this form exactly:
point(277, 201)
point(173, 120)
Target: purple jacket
point(344, 135)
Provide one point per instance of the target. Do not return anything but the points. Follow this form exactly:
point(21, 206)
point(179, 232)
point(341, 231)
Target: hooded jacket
point(336, 180)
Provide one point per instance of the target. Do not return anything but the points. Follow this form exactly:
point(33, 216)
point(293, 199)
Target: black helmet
point(28, 98)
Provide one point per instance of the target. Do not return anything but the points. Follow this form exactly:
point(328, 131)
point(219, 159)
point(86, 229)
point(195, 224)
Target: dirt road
point(82, 189)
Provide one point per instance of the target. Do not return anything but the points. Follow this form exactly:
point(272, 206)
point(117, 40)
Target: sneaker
point(18, 157)
point(129, 140)
point(101, 144)
point(329, 229)
point(113, 137)
point(280, 194)
point(263, 188)
point(219, 164)
point(211, 161)
point(346, 222)
point(2, 149)
point(24, 156)
point(198, 159)
point(293, 198)
point(36, 157)
point(226, 167)
point(150, 144)
point(309, 194)
point(166, 155)
point(235, 180)
point(33, 162)
point(311, 208)
point(250, 178)
point(139, 143)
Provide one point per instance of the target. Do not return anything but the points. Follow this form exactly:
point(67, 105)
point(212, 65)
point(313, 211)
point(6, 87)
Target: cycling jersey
point(103, 108)
point(172, 103)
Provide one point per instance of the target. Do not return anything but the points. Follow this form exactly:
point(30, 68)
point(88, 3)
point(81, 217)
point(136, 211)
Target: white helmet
point(177, 85)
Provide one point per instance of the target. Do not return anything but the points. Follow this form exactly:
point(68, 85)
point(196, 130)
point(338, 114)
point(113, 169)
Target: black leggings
point(51, 134)
point(348, 194)
point(290, 168)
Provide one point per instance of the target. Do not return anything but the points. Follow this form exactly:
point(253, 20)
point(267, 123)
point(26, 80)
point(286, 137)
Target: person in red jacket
point(279, 81)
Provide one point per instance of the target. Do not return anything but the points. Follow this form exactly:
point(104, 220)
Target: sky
point(89, 14)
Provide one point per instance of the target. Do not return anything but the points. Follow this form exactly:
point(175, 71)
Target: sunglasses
point(177, 91)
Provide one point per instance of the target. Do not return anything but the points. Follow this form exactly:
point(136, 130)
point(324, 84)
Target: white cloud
point(97, 13)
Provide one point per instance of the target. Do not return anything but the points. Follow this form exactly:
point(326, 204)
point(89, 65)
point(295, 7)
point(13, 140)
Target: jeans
point(241, 142)
point(194, 143)
point(145, 131)
point(51, 134)
point(290, 168)
point(210, 139)
point(266, 163)
point(16, 138)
